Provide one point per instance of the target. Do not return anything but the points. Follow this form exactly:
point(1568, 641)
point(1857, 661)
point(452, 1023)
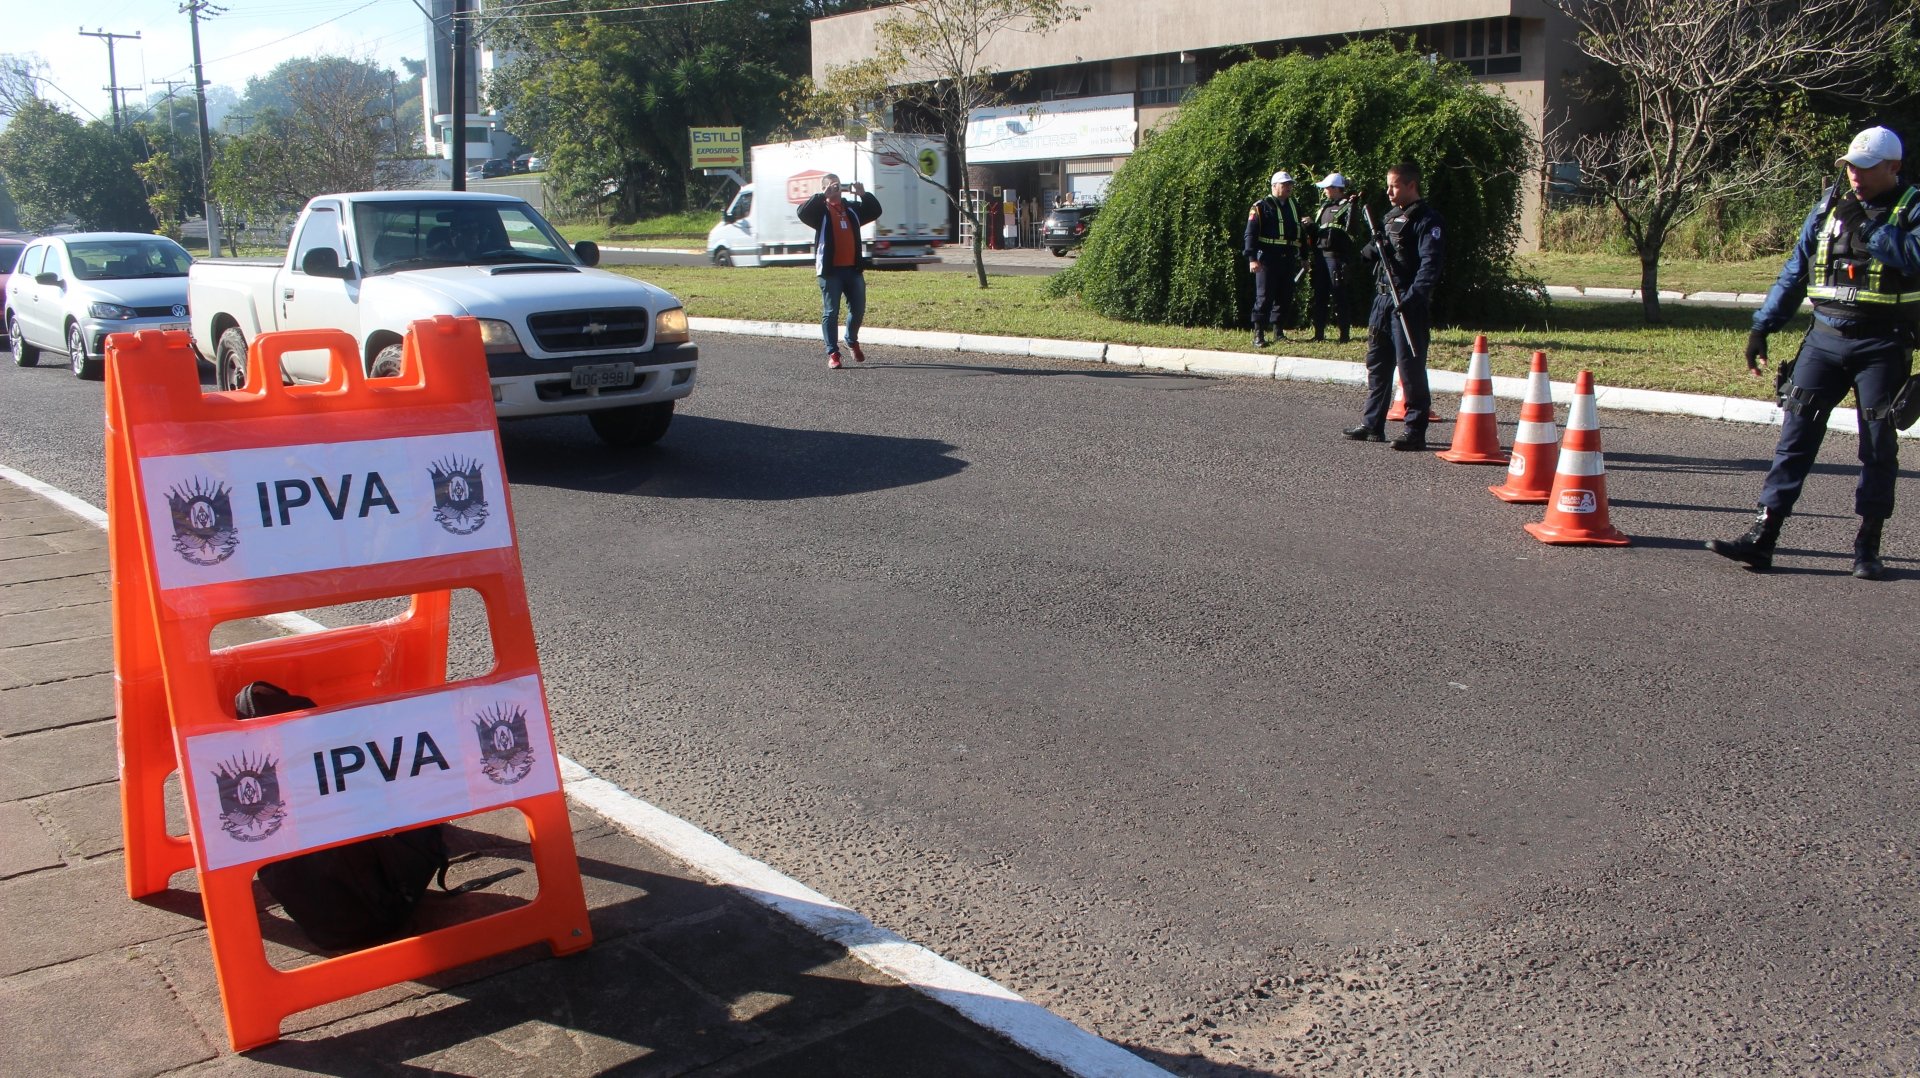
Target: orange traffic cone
point(1577, 506)
point(1530, 472)
point(1476, 434)
point(1398, 411)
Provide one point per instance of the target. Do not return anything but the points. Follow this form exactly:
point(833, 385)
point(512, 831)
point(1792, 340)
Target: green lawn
point(1698, 351)
point(1623, 271)
point(687, 230)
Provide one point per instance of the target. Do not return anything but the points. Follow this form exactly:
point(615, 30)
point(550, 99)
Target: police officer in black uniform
point(1413, 245)
point(1331, 236)
point(1859, 260)
point(1271, 247)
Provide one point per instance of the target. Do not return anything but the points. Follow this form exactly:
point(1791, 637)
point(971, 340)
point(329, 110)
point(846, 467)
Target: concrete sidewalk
point(686, 976)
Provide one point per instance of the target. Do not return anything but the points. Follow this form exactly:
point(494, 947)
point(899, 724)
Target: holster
point(1906, 404)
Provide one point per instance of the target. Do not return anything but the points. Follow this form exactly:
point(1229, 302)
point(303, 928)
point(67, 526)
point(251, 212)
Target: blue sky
point(246, 41)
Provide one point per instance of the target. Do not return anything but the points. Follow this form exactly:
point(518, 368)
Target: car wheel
point(24, 354)
point(230, 360)
point(386, 363)
point(722, 257)
point(630, 428)
point(1058, 252)
point(77, 354)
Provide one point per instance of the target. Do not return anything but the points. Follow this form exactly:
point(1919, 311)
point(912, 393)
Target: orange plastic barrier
point(224, 506)
point(1535, 442)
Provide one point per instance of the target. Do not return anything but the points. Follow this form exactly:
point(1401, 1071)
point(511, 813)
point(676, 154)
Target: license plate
point(603, 376)
point(173, 325)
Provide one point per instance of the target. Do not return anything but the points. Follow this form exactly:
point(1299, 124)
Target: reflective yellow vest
point(1880, 290)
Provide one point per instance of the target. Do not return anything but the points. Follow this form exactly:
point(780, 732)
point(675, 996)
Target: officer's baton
point(1393, 286)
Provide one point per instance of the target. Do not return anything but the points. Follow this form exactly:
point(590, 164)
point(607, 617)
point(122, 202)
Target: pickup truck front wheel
point(386, 364)
point(24, 354)
point(230, 360)
point(630, 428)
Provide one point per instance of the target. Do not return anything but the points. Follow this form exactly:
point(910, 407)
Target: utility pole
point(460, 21)
point(170, 84)
point(193, 9)
point(112, 74)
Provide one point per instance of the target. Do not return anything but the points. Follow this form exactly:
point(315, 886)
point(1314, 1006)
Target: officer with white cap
point(1331, 237)
point(1273, 238)
point(1858, 259)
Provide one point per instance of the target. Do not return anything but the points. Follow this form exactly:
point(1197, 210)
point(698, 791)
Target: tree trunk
point(1650, 287)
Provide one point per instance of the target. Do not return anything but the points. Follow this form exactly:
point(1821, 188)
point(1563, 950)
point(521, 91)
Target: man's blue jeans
point(835, 282)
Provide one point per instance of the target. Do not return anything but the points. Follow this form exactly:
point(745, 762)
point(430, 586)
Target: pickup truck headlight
point(115, 311)
point(498, 336)
point(670, 326)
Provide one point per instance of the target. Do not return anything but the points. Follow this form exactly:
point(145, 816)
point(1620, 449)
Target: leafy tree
point(18, 82)
point(931, 58)
point(607, 95)
point(1165, 246)
point(56, 169)
point(166, 191)
point(1694, 84)
point(318, 125)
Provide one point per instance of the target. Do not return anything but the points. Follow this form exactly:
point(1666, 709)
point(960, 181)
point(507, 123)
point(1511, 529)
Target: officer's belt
point(1861, 330)
point(1267, 241)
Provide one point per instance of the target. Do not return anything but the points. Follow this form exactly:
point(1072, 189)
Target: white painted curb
point(982, 1001)
point(1286, 369)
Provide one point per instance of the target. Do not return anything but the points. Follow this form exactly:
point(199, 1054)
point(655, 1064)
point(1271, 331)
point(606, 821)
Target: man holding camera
point(838, 260)
point(1858, 258)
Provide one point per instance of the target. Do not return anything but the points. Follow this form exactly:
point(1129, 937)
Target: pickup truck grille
point(579, 331)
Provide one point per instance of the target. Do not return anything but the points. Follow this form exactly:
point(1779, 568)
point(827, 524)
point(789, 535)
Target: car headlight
point(670, 326)
point(498, 336)
point(99, 309)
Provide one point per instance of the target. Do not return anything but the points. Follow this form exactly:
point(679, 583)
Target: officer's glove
point(1757, 351)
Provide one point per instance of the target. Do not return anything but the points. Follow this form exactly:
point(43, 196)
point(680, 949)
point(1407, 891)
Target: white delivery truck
point(759, 228)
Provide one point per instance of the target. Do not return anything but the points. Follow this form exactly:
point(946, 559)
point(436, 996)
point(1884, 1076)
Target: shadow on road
point(718, 458)
point(1660, 462)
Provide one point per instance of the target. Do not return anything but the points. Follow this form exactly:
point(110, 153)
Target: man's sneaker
point(833, 360)
point(858, 355)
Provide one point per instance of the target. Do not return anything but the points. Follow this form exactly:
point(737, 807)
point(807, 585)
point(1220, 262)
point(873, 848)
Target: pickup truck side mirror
point(324, 262)
point(727, 217)
point(588, 252)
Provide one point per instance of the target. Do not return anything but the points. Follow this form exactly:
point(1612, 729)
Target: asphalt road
point(1249, 748)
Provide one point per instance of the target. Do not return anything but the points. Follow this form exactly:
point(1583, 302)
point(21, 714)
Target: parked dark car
point(1066, 227)
point(521, 163)
point(498, 166)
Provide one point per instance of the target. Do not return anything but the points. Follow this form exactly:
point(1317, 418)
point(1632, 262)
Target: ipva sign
point(717, 147)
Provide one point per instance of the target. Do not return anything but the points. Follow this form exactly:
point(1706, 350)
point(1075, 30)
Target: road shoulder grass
point(1697, 351)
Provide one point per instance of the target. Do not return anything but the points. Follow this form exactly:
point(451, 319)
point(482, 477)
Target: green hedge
point(1164, 249)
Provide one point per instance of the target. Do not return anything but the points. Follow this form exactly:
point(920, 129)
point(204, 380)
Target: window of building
point(1165, 79)
point(1080, 80)
point(1482, 46)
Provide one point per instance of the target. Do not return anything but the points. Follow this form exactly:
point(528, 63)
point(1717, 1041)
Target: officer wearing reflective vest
point(1407, 257)
point(1271, 247)
point(1331, 237)
point(1858, 259)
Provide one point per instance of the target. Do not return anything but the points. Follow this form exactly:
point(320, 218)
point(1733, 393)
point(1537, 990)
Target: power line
point(113, 76)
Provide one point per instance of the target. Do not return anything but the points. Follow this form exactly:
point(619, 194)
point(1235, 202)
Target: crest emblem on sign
point(459, 496)
point(203, 531)
point(250, 804)
point(506, 755)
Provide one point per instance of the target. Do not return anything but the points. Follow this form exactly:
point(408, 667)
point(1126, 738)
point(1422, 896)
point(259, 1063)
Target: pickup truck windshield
point(409, 235)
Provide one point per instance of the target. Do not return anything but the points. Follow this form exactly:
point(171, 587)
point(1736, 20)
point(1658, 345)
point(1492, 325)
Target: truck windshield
point(433, 232)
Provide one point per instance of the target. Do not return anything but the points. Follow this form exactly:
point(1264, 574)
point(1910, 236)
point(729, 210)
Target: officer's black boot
point(1866, 549)
point(1280, 332)
point(1755, 545)
point(1319, 331)
point(1259, 337)
point(1343, 335)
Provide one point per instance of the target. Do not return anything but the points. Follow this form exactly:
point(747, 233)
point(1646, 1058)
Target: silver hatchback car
point(68, 292)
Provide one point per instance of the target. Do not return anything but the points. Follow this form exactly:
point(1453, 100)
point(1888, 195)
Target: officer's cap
point(1282, 177)
point(1334, 179)
point(1870, 147)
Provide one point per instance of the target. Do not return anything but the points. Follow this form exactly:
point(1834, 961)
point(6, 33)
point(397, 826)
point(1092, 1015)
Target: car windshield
point(430, 232)
point(127, 260)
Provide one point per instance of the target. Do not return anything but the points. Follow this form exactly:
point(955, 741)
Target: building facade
point(1095, 84)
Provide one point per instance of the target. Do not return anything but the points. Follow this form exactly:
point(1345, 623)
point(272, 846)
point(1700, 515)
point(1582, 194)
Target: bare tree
point(18, 75)
point(932, 58)
point(1696, 77)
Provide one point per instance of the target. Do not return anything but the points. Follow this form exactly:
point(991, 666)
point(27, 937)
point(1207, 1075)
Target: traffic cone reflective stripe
point(1476, 433)
point(1530, 471)
point(1577, 504)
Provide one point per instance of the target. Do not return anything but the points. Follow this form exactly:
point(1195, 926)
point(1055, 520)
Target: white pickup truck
point(561, 336)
